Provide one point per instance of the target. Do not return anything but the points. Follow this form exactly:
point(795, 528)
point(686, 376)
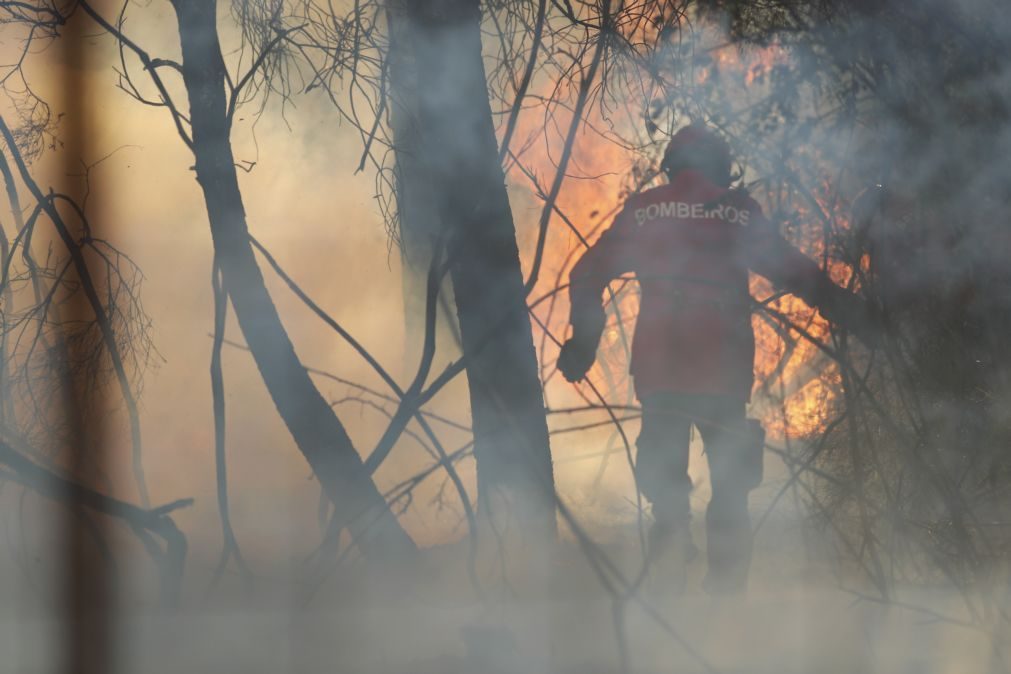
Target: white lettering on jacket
point(686, 211)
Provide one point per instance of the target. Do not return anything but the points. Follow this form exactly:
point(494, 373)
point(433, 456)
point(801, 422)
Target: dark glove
point(853, 313)
point(576, 358)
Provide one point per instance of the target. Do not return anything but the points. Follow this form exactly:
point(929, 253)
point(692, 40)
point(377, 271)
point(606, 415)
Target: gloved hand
point(852, 312)
point(576, 358)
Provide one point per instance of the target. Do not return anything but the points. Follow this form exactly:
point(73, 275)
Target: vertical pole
point(87, 613)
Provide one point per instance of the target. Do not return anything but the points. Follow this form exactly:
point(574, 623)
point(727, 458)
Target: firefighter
point(691, 243)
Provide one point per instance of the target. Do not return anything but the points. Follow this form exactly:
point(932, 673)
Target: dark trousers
point(662, 470)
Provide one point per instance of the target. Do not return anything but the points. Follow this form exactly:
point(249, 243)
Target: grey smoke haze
point(933, 130)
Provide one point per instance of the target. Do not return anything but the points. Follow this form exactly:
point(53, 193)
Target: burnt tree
point(315, 428)
point(450, 183)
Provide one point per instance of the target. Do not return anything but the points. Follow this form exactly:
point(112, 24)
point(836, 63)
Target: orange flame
point(799, 373)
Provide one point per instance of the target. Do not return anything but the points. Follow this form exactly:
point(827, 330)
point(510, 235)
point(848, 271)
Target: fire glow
point(797, 386)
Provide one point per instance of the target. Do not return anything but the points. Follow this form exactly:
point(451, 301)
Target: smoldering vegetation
point(382, 470)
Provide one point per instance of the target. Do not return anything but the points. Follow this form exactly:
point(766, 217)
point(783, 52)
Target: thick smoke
point(875, 136)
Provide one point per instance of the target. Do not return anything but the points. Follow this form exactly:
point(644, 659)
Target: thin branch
point(99, 310)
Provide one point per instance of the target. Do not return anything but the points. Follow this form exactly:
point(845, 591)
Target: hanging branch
point(585, 87)
point(154, 520)
point(521, 90)
point(47, 204)
point(151, 66)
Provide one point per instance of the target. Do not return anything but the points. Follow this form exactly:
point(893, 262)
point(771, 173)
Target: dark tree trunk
point(418, 226)
point(450, 180)
point(312, 423)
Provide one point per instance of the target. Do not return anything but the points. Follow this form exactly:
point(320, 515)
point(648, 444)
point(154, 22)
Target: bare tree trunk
point(312, 423)
point(450, 179)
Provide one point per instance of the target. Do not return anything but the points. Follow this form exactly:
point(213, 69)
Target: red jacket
point(691, 244)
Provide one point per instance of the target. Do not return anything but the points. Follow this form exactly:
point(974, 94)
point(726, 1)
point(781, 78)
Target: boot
point(729, 551)
point(669, 551)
